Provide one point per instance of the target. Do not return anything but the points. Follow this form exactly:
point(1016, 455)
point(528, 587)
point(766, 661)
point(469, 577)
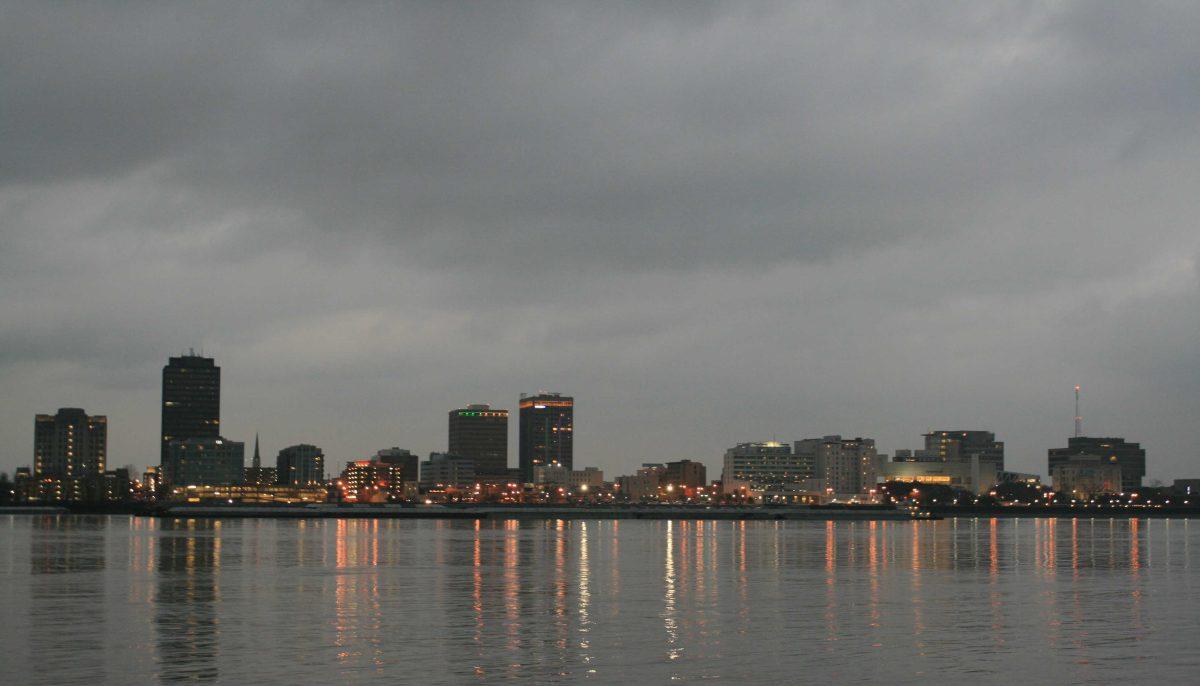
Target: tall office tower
point(547, 429)
point(1130, 457)
point(404, 459)
point(952, 446)
point(481, 434)
point(191, 400)
point(69, 443)
point(204, 462)
point(300, 465)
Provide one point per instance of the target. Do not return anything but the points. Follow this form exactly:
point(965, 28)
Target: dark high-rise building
point(191, 400)
point(480, 433)
point(1130, 457)
point(69, 443)
point(547, 431)
point(300, 465)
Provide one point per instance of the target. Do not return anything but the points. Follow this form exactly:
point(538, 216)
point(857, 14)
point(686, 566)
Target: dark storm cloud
point(854, 217)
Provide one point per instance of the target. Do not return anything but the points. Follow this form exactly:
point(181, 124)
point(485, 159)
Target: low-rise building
point(246, 494)
point(686, 473)
point(204, 462)
point(642, 486)
point(558, 475)
point(371, 481)
point(973, 474)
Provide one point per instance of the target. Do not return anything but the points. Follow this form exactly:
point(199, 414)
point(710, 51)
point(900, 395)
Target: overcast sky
point(710, 223)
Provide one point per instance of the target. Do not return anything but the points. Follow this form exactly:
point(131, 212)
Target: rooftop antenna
point(1079, 420)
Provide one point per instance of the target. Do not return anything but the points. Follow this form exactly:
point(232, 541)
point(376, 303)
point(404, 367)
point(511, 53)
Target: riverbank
point(658, 512)
point(411, 511)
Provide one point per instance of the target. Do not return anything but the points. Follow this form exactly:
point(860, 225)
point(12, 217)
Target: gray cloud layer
point(710, 222)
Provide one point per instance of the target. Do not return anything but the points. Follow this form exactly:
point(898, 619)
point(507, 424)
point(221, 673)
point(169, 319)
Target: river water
point(1016, 601)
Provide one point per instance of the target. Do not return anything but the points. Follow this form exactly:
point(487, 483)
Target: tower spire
point(1078, 418)
point(257, 461)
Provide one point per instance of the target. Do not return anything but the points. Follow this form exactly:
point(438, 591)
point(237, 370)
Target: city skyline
point(464, 427)
point(711, 224)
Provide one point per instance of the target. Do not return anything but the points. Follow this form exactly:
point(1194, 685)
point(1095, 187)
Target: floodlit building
point(371, 481)
point(972, 475)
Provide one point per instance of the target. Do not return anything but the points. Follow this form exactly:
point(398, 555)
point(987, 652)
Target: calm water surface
point(134, 600)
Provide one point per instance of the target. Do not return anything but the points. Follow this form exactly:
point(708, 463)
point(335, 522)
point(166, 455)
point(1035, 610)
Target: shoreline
point(648, 512)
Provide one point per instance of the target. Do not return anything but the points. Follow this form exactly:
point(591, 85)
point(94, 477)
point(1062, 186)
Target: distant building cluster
point(198, 464)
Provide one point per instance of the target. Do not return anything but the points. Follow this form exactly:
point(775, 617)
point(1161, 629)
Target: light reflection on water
point(117, 599)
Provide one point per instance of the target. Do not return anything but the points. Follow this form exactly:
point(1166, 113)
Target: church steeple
point(257, 461)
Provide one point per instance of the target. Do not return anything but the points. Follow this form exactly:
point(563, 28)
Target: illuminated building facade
point(547, 426)
point(974, 474)
point(763, 466)
point(246, 494)
point(371, 481)
point(481, 434)
point(69, 444)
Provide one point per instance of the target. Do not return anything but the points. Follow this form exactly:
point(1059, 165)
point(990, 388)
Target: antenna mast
point(1078, 419)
